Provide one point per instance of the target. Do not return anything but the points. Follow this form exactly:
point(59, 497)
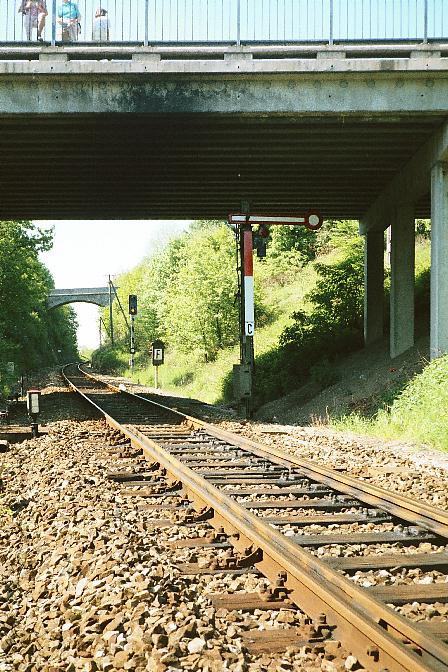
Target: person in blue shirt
point(69, 18)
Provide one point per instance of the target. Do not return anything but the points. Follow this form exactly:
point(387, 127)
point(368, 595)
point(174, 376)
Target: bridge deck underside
point(201, 166)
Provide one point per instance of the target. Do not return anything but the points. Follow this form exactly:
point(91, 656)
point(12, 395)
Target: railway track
point(310, 530)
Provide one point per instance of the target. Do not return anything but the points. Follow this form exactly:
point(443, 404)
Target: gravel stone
point(88, 581)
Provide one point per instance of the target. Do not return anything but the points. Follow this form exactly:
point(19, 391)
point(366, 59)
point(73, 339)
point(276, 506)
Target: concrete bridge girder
point(60, 297)
point(354, 131)
point(190, 131)
point(240, 90)
point(427, 171)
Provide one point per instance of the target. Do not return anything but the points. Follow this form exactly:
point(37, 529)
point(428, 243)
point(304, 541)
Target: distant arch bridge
point(97, 295)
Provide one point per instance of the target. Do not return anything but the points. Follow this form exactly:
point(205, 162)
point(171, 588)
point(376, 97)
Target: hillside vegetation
point(417, 413)
point(309, 298)
point(306, 310)
point(30, 334)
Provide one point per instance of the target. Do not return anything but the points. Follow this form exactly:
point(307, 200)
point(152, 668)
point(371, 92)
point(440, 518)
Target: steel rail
point(373, 631)
point(416, 512)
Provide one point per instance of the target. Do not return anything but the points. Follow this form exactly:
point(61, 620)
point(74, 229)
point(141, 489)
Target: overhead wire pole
point(111, 317)
point(121, 308)
point(102, 323)
point(132, 314)
point(132, 345)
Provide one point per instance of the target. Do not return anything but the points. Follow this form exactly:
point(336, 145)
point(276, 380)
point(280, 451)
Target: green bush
point(333, 326)
point(418, 413)
point(109, 359)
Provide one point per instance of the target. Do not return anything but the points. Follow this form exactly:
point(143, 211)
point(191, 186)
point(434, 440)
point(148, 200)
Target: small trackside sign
point(158, 352)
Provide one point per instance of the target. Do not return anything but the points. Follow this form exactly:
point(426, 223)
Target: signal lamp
point(263, 231)
point(260, 240)
point(132, 304)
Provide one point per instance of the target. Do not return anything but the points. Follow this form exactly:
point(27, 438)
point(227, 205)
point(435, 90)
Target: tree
point(30, 335)
point(200, 312)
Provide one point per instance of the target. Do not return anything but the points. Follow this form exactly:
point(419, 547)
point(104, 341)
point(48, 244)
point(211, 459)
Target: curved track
point(270, 505)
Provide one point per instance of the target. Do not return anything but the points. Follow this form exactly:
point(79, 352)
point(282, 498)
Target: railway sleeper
point(367, 625)
point(434, 560)
point(330, 503)
point(274, 640)
point(204, 514)
point(128, 476)
point(229, 562)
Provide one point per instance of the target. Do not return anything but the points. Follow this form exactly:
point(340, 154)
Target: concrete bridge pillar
point(439, 260)
point(373, 286)
point(402, 280)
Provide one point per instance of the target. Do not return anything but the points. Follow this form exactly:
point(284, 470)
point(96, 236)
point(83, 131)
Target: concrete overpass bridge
point(99, 296)
point(169, 130)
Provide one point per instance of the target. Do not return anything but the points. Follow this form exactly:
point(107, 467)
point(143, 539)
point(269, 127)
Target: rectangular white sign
point(249, 313)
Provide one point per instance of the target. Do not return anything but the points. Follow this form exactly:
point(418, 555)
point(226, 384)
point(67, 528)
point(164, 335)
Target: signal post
point(243, 372)
point(158, 358)
point(132, 314)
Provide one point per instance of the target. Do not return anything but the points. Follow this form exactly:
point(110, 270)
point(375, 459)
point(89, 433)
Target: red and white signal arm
point(158, 353)
point(311, 220)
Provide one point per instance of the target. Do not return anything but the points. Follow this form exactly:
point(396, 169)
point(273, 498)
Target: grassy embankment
point(185, 375)
point(418, 410)
point(418, 413)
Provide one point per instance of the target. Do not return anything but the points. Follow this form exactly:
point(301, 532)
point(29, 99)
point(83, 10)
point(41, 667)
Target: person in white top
point(101, 26)
point(34, 12)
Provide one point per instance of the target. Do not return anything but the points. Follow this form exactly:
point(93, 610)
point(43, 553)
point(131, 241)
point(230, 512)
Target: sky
point(84, 253)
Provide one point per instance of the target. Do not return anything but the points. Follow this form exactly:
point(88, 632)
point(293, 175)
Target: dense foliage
point(30, 334)
point(329, 323)
point(186, 295)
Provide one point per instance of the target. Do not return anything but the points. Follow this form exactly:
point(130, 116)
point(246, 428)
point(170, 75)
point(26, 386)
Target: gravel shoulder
point(89, 577)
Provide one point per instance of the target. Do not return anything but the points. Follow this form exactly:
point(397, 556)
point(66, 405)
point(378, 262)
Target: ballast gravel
point(416, 472)
point(89, 582)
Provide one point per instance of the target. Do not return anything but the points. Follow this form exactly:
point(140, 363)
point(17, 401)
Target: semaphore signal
point(310, 220)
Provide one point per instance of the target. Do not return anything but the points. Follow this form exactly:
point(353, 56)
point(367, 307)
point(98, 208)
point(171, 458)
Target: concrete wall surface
point(170, 132)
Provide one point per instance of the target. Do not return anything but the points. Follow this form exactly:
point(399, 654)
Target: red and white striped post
point(247, 317)
point(248, 282)
point(243, 223)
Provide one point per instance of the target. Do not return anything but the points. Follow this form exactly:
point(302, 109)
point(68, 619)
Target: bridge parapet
point(234, 21)
point(96, 295)
point(220, 58)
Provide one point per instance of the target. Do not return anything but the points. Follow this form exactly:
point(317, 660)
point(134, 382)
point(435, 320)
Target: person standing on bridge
point(34, 12)
point(69, 18)
point(101, 26)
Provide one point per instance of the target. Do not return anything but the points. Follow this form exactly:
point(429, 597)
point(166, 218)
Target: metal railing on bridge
point(153, 22)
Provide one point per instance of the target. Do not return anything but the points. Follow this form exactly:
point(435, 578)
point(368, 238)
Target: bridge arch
point(96, 295)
